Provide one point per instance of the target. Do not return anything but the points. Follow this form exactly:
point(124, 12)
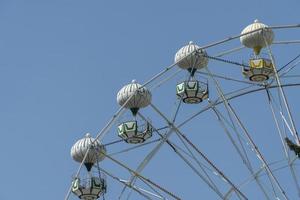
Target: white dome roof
point(255, 40)
point(79, 149)
point(196, 61)
point(140, 99)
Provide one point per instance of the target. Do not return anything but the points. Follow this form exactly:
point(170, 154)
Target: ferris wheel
point(232, 126)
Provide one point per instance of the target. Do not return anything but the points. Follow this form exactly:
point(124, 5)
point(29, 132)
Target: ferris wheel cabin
point(131, 133)
point(261, 69)
point(192, 92)
point(89, 189)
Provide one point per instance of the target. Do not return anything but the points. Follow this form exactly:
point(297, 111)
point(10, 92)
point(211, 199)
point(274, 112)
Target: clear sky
point(63, 61)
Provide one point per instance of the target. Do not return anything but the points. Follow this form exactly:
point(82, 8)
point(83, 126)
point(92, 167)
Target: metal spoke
point(254, 146)
point(239, 193)
point(293, 173)
point(136, 174)
point(282, 93)
point(124, 183)
point(135, 147)
point(231, 79)
point(244, 159)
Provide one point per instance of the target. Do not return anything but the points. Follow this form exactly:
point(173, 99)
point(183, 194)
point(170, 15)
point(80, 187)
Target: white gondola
point(191, 58)
point(261, 69)
point(257, 36)
point(133, 134)
point(192, 92)
point(89, 189)
point(89, 151)
point(133, 96)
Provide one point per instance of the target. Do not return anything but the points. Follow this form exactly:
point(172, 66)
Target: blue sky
point(62, 63)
